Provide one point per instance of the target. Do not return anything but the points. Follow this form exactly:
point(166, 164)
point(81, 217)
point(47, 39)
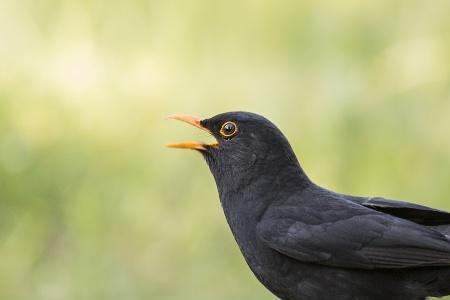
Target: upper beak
point(195, 121)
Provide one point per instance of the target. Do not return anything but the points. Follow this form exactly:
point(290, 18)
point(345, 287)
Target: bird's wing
point(413, 212)
point(346, 234)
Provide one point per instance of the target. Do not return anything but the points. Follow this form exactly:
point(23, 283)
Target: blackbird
point(303, 241)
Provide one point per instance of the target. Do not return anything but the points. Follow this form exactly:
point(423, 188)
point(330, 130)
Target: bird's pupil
point(229, 128)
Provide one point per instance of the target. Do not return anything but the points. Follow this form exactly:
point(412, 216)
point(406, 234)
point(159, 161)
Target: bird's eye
point(228, 130)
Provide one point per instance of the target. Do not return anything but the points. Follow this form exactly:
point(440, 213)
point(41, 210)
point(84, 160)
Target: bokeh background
point(92, 206)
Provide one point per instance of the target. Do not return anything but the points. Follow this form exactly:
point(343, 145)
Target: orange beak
point(194, 121)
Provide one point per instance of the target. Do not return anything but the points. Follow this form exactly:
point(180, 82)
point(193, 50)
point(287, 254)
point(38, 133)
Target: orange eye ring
point(228, 130)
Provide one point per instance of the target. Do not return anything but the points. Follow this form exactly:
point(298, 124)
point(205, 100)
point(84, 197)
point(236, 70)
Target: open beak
point(194, 121)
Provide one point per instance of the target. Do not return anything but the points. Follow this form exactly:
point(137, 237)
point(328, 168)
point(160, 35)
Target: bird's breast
point(243, 215)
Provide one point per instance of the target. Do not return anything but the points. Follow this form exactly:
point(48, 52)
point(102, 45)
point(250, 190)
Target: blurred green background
point(92, 206)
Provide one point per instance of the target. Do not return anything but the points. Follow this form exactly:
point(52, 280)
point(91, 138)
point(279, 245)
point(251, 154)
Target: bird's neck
point(248, 192)
point(248, 183)
point(244, 205)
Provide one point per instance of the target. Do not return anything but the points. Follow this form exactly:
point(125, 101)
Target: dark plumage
point(305, 242)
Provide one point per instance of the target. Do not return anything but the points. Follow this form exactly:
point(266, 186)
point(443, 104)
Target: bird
point(303, 241)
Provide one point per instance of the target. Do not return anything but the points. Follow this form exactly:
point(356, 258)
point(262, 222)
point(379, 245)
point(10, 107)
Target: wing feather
point(405, 210)
point(349, 235)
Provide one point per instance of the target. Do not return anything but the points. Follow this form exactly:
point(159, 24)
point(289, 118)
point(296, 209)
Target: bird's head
point(246, 145)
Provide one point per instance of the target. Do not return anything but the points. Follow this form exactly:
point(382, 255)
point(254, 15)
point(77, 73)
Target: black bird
point(305, 242)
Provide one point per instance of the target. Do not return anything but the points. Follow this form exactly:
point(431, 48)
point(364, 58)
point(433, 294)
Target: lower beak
point(194, 121)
